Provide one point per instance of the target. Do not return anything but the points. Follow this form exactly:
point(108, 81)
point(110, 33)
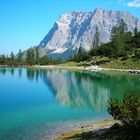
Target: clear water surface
point(35, 103)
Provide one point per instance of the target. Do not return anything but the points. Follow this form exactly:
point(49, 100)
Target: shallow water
point(36, 104)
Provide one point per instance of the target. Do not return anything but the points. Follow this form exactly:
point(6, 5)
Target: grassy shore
point(105, 62)
point(116, 63)
point(122, 64)
point(76, 66)
point(97, 63)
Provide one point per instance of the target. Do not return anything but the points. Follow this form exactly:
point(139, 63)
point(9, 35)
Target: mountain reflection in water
point(82, 89)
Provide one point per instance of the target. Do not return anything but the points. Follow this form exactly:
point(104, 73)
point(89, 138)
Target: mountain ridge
point(77, 29)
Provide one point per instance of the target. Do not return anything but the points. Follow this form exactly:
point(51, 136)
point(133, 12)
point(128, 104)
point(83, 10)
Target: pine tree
point(135, 31)
point(30, 56)
point(118, 39)
point(122, 28)
point(96, 41)
point(80, 50)
point(37, 53)
point(114, 42)
point(12, 56)
point(19, 55)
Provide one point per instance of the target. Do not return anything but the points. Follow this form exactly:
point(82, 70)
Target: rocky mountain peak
point(77, 29)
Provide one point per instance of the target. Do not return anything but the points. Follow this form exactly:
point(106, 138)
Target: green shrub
point(125, 58)
point(137, 54)
point(127, 111)
point(83, 56)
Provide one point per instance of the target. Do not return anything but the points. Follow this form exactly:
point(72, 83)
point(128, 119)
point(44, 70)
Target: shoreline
point(90, 68)
point(86, 127)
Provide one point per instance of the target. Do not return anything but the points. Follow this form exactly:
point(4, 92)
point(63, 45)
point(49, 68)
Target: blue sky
point(24, 23)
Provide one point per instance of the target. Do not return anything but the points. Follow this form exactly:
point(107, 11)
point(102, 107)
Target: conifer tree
point(19, 55)
point(97, 40)
point(135, 31)
point(12, 56)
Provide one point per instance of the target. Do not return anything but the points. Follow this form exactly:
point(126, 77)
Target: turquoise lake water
point(36, 103)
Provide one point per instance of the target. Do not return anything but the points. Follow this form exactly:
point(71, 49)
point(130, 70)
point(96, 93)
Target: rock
point(77, 29)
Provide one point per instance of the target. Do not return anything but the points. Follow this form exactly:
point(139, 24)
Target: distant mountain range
point(77, 29)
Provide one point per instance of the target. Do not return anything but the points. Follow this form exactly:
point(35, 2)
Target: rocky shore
point(89, 130)
point(90, 68)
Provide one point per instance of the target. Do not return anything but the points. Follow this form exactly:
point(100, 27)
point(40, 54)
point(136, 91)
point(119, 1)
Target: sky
point(24, 23)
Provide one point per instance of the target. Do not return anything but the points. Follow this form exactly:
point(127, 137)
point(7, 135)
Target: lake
point(36, 104)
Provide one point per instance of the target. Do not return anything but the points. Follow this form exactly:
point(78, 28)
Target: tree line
point(30, 57)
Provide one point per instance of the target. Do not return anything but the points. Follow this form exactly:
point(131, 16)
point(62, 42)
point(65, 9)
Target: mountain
point(77, 29)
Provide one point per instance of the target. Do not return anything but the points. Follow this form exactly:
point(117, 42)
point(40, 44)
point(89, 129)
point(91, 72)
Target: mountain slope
point(77, 29)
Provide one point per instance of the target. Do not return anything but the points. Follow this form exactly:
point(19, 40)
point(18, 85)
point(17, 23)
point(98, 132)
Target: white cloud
point(130, 3)
point(134, 3)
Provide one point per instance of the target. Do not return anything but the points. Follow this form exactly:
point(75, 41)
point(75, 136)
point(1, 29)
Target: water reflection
point(33, 74)
point(79, 90)
point(86, 89)
point(30, 73)
point(20, 72)
point(3, 71)
point(12, 71)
